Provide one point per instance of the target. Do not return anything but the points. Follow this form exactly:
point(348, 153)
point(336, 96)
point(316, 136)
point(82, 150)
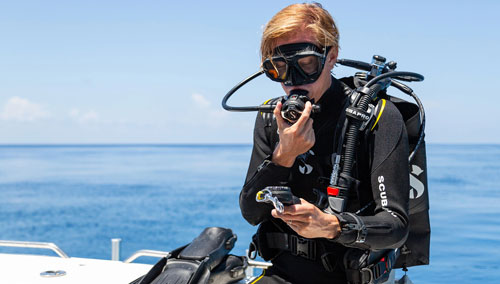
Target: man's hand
point(308, 221)
point(294, 139)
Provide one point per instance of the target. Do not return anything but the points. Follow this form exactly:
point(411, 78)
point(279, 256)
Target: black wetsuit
point(382, 169)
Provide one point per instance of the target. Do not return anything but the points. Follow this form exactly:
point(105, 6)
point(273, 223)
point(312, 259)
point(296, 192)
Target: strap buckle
point(359, 226)
point(303, 247)
point(366, 275)
point(377, 272)
point(252, 250)
point(330, 261)
point(263, 164)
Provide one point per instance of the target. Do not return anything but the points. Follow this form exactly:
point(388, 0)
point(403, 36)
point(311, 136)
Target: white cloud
point(203, 113)
point(19, 109)
point(200, 101)
point(84, 117)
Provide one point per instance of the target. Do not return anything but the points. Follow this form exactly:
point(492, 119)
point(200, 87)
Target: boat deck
point(22, 269)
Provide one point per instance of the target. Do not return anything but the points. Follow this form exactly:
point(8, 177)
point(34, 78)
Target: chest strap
point(377, 272)
point(306, 248)
point(296, 245)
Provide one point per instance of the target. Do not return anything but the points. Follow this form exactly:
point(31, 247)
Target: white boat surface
point(34, 269)
point(62, 269)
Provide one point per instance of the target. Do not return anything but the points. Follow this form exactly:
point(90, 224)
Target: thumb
point(279, 119)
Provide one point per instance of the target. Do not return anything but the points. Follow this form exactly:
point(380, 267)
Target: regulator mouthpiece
point(295, 103)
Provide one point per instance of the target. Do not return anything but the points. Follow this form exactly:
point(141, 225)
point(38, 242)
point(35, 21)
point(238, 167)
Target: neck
point(325, 87)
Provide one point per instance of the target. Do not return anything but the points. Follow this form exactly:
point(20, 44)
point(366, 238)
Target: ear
point(331, 58)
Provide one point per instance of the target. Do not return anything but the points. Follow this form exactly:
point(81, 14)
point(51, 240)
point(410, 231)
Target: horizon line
point(118, 144)
point(191, 144)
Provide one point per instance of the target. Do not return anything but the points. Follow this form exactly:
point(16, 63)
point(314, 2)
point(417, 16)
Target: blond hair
point(298, 17)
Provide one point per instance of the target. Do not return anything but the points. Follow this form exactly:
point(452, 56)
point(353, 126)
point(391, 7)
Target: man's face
point(317, 88)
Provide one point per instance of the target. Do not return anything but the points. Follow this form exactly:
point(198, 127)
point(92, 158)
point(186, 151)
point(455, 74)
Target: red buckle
point(332, 191)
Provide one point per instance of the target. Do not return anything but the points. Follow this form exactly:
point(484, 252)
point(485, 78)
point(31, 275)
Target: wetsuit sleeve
point(389, 182)
point(261, 173)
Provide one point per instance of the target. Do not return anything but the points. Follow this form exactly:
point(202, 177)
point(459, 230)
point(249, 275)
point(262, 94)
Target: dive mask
point(296, 64)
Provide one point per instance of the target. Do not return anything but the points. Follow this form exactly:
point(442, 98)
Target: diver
point(305, 244)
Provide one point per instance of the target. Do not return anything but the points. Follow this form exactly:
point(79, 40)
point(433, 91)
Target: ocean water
point(162, 196)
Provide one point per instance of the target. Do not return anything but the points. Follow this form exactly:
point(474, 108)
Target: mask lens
point(309, 64)
point(276, 70)
point(295, 64)
point(281, 67)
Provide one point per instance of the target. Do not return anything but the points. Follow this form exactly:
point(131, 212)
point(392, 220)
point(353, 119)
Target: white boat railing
point(39, 245)
point(259, 264)
point(146, 252)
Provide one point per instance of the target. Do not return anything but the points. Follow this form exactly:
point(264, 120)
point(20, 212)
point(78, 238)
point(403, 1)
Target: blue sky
point(156, 71)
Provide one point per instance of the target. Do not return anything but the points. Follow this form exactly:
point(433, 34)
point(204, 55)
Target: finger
point(294, 211)
point(290, 210)
point(295, 225)
point(276, 214)
point(283, 215)
point(304, 207)
point(298, 223)
point(290, 218)
point(311, 137)
point(308, 127)
point(304, 221)
point(277, 113)
point(305, 115)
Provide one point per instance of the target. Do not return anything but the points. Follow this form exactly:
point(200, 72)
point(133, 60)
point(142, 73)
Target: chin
point(306, 87)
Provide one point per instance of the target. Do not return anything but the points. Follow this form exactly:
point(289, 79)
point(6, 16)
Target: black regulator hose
point(355, 64)
point(353, 131)
point(263, 108)
point(399, 75)
point(407, 90)
point(352, 138)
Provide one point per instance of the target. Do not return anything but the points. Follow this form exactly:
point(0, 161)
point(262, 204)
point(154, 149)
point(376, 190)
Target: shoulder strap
point(379, 109)
point(340, 140)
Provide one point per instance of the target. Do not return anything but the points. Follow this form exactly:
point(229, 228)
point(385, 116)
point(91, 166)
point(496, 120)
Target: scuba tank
point(415, 251)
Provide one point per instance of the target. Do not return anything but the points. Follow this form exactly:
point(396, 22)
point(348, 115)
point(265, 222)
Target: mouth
point(299, 89)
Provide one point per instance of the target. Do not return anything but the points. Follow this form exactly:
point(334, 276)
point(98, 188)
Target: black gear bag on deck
point(205, 260)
